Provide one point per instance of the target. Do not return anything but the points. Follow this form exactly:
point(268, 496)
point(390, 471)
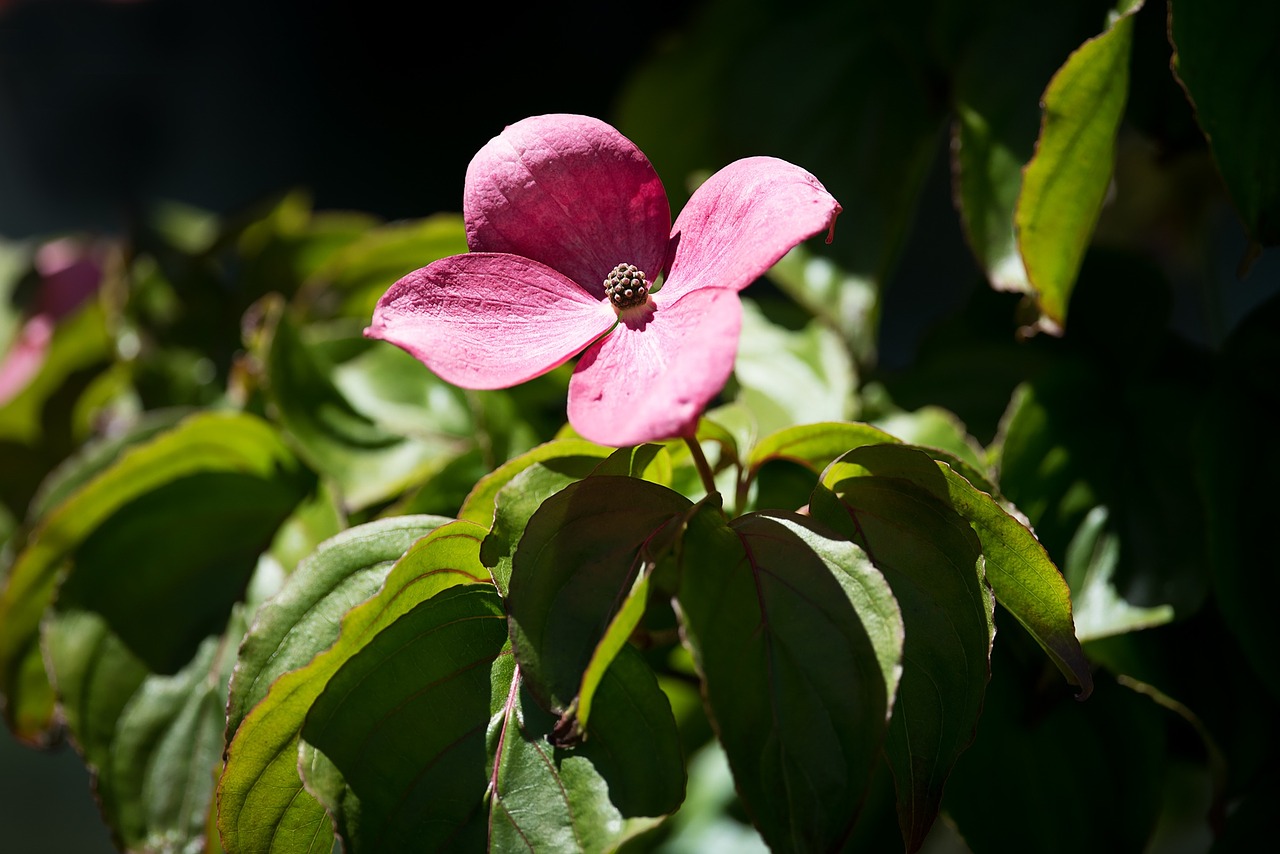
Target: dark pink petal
point(742, 220)
point(571, 192)
point(650, 381)
point(486, 320)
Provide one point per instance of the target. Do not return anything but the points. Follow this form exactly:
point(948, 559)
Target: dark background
point(375, 106)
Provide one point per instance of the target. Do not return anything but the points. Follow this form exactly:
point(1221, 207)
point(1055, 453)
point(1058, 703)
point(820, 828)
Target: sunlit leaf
point(1014, 49)
point(933, 563)
point(815, 445)
point(262, 803)
point(799, 642)
point(1066, 181)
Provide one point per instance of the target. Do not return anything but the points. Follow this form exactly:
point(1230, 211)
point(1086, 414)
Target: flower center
point(626, 286)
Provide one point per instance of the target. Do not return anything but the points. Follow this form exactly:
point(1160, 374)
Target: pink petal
point(742, 220)
point(486, 320)
point(650, 381)
point(26, 356)
point(571, 192)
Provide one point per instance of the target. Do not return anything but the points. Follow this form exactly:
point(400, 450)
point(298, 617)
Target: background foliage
point(1053, 265)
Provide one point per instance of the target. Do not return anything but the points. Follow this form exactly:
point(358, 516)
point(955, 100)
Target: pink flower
point(70, 273)
point(569, 229)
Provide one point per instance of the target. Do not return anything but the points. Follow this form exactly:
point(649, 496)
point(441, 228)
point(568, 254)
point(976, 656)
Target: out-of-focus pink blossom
point(70, 272)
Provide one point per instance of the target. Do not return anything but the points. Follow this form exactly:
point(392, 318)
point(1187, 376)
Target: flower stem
point(704, 468)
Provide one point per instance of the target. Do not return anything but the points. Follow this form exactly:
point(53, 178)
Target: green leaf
point(235, 447)
point(1013, 51)
point(262, 804)
point(437, 746)
point(1066, 181)
point(815, 445)
point(376, 423)
point(194, 540)
point(581, 553)
point(1224, 56)
point(1090, 568)
point(517, 489)
point(1236, 468)
point(1025, 581)
point(1041, 769)
point(154, 743)
point(789, 377)
point(481, 504)
point(304, 617)
point(799, 641)
point(933, 563)
point(361, 271)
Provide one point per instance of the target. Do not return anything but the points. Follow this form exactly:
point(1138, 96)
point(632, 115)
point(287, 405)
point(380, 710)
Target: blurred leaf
point(1081, 437)
point(847, 303)
point(262, 804)
point(361, 271)
point(933, 563)
point(935, 427)
point(788, 377)
point(1025, 581)
point(582, 551)
point(240, 448)
point(1090, 569)
point(368, 438)
point(799, 641)
point(1225, 58)
point(154, 742)
point(1065, 183)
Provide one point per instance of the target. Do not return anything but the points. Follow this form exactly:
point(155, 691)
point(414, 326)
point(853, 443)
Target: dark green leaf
point(1225, 57)
point(933, 563)
point(1024, 579)
point(1066, 181)
point(237, 446)
point(523, 488)
point(581, 554)
point(799, 641)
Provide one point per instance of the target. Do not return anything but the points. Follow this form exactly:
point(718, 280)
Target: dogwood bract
point(572, 249)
